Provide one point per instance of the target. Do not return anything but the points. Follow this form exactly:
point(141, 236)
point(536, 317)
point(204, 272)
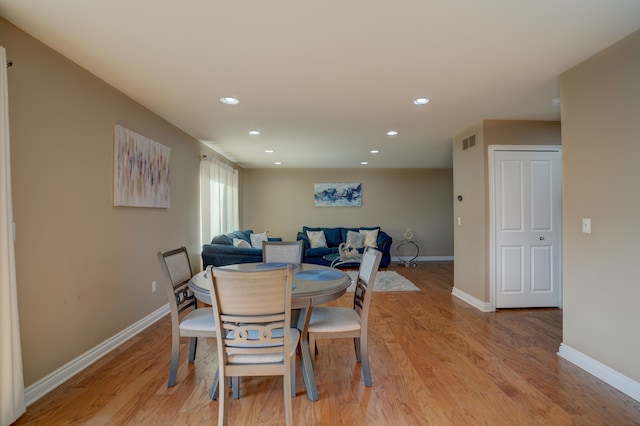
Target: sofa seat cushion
point(320, 251)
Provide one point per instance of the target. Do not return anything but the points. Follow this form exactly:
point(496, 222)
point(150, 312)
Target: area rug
point(386, 281)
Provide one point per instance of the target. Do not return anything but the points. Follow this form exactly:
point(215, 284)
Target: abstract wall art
point(338, 194)
point(141, 170)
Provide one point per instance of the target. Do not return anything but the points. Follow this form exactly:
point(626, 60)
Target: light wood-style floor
point(435, 361)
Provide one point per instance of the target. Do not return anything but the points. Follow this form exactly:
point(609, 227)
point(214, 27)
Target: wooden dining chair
point(276, 252)
point(334, 322)
point(282, 251)
point(252, 311)
point(197, 322)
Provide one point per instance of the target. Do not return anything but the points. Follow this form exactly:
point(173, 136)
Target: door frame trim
point(492, 216)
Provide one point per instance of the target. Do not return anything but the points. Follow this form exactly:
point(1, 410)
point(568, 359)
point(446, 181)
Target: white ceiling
point(323, 81)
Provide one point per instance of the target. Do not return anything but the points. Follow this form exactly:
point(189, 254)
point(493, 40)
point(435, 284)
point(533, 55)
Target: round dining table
point(312, 285)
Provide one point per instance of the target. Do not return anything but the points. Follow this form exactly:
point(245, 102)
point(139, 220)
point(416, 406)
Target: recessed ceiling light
point(268, 151)
point(278, 163)
point(375, 151)
point(364, 163)
point(230, 101)
point(392, 133)
point(421, 101)
point(254, 132)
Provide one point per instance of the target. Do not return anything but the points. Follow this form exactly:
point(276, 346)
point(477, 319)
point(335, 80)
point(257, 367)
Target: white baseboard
point(610, 376)
point(64, 373)
point(476, 303)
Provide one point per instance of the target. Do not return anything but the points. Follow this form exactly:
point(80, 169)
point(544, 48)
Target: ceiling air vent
point(469, 142)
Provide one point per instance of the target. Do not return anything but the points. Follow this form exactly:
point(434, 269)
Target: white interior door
point(527, 224)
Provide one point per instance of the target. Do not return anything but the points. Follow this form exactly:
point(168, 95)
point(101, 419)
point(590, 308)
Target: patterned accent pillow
point(370, 237)
point(317, 239)
point(239, 242)
point(356, 238)
point(257, 239)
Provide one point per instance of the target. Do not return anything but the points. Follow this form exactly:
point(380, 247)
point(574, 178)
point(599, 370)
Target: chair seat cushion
point(328, 319)
point(294, 338)
point(198, 320)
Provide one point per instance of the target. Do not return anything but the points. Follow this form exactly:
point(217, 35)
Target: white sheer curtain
point(11, 379)
point(218, 199)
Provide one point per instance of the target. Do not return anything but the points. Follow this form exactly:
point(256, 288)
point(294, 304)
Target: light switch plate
point(586, 225)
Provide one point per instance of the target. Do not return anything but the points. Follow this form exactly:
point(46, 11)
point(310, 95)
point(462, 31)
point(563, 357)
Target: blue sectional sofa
point(334, 237)
point(222, 252)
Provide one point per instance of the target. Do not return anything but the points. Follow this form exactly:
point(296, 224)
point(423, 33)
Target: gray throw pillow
point(356, 238)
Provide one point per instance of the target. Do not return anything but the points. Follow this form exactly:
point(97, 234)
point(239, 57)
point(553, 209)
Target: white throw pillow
point(370, 237)
point(257, 239)
point(317, 239)
point(356, 238)
point(239, 242)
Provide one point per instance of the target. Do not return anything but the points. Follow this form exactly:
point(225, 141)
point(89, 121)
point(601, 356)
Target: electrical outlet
point(154, 287)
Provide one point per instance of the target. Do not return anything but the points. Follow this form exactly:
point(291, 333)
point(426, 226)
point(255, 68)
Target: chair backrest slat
point(252, 309)
point(177, 268)
point(178, 265)
point(366, 281)
point(282, 251)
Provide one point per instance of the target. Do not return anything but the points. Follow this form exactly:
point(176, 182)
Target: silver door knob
point(541, 238)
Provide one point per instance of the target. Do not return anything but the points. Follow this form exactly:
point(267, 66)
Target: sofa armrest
point(384, 241)
point(304, 238)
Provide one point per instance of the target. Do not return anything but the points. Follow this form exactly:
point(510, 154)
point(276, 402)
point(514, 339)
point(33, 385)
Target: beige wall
point(471, 180)
point(281, 201)
point(469, 237)
point(84, 267)
point(521, 132)
point(601, 152)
